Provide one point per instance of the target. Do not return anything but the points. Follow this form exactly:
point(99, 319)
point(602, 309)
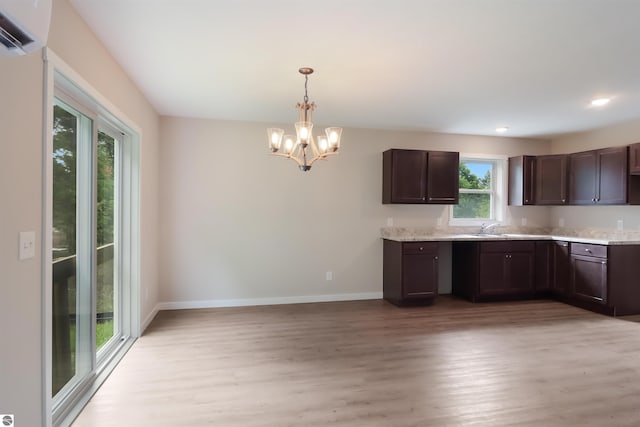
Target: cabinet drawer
point(508, 246)
point(419, 247)
point(587, 249)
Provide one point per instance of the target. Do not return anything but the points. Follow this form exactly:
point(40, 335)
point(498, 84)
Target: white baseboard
point(182, 305)
point(149, 318)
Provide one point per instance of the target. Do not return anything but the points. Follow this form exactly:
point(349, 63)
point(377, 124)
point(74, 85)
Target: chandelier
point(302, 148)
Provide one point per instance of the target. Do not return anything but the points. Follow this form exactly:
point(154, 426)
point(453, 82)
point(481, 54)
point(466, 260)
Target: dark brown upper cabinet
point(522, 180)
point(420, 177)
point(599, 177)
point(634, 159)
point(551, 180)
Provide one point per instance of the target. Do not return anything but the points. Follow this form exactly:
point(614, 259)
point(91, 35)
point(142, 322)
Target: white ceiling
point(457, 66)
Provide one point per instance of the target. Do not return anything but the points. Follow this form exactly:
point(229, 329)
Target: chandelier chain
point(306, 80)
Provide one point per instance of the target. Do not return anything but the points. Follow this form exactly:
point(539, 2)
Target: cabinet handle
point(526, 200)
point(564, 200)
point(587, 250)
point(424, 198)
point(435, 257)
point(603, 262)
point(421, 248)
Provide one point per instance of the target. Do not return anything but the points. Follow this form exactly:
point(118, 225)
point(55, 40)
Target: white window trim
point(58, 74)
point(499, 188)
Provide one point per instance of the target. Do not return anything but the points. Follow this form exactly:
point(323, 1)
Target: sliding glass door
point(86, 279)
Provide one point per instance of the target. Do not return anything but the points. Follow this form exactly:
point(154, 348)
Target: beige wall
point(21, 96)
point(20, 210)
point(597, 216)
point(240, 224)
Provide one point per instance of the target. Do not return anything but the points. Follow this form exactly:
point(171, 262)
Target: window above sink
point(482, 191)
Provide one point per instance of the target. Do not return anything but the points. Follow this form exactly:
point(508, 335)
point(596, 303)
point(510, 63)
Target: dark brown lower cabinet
point(410, 271)
point(601, 278)
point(553, 268)
point(560, 283)
point(482, 270)
point(589, 271)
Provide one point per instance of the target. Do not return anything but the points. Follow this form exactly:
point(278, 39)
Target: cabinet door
point(589, 278)
point(561, 277)
point(551, 180)
point(613, 174)
point(583, 180)
point(520, 271)
point(404, 176)
point(634, 159)
point(443, 177)
point(521, 180)
point(419, 275)
point(544, 266)
point(493, 273)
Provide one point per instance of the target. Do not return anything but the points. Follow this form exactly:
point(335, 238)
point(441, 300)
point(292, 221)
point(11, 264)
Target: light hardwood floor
point(368, 363)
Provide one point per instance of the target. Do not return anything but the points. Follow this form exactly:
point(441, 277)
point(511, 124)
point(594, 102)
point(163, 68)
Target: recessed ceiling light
point(502, 129)
point(599, 102)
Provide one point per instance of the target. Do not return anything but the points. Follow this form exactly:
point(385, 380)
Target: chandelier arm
point(288, 156)
point(314, 148)
point(304, 156)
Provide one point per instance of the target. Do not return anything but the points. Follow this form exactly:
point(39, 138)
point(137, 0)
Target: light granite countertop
point(593, 236)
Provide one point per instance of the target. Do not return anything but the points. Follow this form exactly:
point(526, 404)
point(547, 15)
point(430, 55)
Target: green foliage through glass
point(475, 176)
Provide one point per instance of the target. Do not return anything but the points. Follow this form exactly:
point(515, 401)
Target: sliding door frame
point(61, 78)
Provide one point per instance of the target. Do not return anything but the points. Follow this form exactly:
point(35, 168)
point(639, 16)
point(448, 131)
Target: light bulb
point(323, 144)
point(288, 143)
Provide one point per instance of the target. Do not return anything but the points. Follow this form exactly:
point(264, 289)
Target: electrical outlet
point(389, 222)
point(329, 275)
point(561, 222)
point(620, 224)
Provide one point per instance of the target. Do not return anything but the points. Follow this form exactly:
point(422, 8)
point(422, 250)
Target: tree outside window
point(476, 190)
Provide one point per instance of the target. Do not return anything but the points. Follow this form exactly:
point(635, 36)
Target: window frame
point(497, 192)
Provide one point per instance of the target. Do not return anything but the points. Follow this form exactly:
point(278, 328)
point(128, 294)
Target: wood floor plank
point(368, 363)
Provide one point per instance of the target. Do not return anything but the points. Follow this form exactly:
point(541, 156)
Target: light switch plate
point(27, 245)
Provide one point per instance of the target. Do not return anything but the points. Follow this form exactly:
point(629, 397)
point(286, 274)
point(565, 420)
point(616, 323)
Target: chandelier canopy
point(303, 148)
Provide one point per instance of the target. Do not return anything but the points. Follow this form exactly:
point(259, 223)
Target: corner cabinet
point(410, 272)
point(420, 177)
point(599, 177)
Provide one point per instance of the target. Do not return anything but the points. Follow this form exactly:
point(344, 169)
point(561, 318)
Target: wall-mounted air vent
point(13, 37)
point(24, 26)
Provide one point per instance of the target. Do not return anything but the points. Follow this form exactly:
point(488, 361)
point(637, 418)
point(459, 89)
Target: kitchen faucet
point(484, 228)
